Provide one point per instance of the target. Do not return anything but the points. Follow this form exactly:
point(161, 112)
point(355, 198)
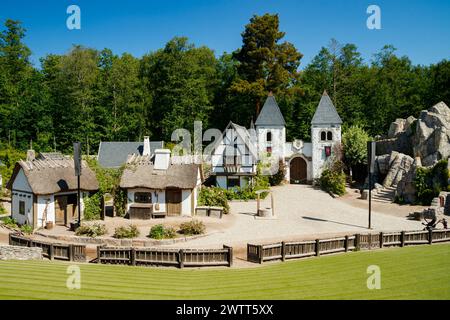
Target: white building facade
point(304, 161)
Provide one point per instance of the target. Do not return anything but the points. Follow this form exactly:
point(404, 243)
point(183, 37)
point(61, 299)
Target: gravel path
point(302, 212)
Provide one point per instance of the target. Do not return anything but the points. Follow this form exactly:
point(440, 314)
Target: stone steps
point(385, 195)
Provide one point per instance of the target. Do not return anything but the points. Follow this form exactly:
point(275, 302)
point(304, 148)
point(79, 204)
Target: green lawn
point(421, 272)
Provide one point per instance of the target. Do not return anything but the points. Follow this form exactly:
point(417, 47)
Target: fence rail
point(58, 251)
point(295, 250)
point(165, 257)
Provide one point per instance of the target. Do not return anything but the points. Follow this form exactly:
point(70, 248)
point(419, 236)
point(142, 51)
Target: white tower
point(325, 133)
point(271, 130)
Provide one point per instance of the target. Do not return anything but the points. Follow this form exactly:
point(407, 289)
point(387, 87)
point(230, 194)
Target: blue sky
point(419, 29)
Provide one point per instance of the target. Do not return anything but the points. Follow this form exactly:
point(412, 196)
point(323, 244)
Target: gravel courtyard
point(302, 212)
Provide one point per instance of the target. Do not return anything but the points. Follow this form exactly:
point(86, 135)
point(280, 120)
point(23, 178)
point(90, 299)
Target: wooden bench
point(156, 215)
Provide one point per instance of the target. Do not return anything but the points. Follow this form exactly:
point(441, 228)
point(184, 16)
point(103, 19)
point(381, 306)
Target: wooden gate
point(369, 241)
point(173, 202)
point(298, 170)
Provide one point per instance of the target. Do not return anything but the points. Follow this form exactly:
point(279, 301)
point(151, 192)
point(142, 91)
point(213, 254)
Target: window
point(143, 197)
point(269, 151)
point(269, 137)
point(22, 207)
point(323, 136)
point(329, 135)
point(232, 182)
point(232, 160)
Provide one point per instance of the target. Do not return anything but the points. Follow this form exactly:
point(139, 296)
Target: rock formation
point(412, 143)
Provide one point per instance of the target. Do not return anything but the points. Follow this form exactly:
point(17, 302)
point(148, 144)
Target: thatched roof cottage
point(45, 190)
point(160, 187)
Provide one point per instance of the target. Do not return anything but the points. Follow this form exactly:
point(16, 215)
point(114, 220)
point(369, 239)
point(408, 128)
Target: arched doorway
point(298, 170)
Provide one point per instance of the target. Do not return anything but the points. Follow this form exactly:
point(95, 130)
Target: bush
point(10, 222)
point(280, 176)
point(430, 181)
point(192, 227)
point(92, 207)
point(214, 196)
point(2, 209)
point(333, 181)
point(126, 232)
point(159, 231)
point(27, 229)
point(92, 231)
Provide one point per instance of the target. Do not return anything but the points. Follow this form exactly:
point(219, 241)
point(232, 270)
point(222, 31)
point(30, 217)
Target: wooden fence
point(294, 250)
point(181, 258)
point(58, 251)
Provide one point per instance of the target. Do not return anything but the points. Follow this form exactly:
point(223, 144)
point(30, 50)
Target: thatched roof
point(50, 176)
point(140, 173)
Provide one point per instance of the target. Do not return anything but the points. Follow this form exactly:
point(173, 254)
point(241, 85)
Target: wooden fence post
point(283, 251)
point(381, 239)
point(402, 239)
point(317, 247)
point(181, 258)
point(10, 239)
point(133, 256)
point(346, 244)
point(230, 255)
point(98, 255)
point(357, 242)
point(430, 236)
point(260, 254)
point(50, 251)
point(70, 252)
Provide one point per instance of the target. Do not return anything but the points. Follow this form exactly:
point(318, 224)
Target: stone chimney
point(162, 159)
point(146, 151)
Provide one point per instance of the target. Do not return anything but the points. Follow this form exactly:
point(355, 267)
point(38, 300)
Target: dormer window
point(269, 137)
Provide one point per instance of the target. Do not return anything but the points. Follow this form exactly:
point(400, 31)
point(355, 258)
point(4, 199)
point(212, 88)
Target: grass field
point(421, 272)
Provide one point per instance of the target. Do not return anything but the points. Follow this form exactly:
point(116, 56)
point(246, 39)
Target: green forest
point(92, 94)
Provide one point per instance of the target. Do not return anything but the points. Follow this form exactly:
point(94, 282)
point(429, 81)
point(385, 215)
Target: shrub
point(159, 231)
point(333, 181)
point(430, 181)
point(126, 232)
point(92, 207)
point(27, 229)
point(10, 222)
point(2, 209)
point(94, 230)
point(192, 227)
point(278, 178)
point(214, 196)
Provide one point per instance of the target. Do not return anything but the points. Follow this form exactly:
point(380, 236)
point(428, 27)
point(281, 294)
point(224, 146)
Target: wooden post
point(70, 252)
point(381, 240)
point(181, 258)
point(346, 244)
point(230, 255)
point(10, 239)
point(260, 254)
point(402, 239)
point(283, 251)
point(430, 236)
point(358, 242)
point(317, 247)
point(50, 251)
point(133, 256)
point(98, 255)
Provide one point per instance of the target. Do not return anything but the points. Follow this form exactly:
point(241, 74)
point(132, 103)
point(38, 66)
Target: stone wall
point(20, 253)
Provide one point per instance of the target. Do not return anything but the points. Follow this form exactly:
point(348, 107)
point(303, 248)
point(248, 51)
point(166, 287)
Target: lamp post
point(371, 151)
point(77, 166)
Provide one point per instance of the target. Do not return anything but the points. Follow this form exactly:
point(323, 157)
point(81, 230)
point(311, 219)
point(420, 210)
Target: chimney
point(162, 159)
point(31, 155)
point(146, 151)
